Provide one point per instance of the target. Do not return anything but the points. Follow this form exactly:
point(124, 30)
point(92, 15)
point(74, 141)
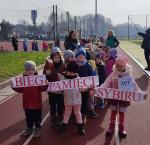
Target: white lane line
point(116, 132)
point(7, 98)
point(31, 136)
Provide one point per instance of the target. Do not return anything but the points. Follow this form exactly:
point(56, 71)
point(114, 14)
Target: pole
point(75, 19)
point(95, 16)
point(68, 22)
point(57, 24)
point(128, 28)
point(80, 27)
point(54, 22)
point(146, 20)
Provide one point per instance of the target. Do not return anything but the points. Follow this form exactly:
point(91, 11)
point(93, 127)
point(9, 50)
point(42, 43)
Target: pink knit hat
point(121, 60)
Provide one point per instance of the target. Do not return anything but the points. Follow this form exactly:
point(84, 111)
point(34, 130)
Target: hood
point(128, 71)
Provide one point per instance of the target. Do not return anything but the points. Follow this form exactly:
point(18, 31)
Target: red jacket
point(32, 96)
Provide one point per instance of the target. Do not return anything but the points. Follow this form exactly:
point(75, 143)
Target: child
point(112, 55)
point(102, 76)
point(72, 99)
point(52, 67)
point(32, 102)
point(85, 70)
point(121, 70)
point(68, 56)
point(25, 45)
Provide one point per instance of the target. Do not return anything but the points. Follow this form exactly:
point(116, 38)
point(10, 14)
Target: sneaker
point(28, 131)
point(92, 114)
point(123, 134)
point(36, 132)
point(111, 130)
point(84, 119)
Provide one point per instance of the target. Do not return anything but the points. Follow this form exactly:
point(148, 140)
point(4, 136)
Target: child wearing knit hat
point(85, 70)
point(112, 55)
point(55, 66)
point(32, 102)
point(122, 71)
point(72, 99)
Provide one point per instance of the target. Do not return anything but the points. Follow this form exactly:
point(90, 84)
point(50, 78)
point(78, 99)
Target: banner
point(124, 95)
point(28, 81)
point(81, 82)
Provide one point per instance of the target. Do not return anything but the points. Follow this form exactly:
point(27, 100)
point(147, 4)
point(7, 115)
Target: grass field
point(134, 49)
point(139, 42)
point(12, 63)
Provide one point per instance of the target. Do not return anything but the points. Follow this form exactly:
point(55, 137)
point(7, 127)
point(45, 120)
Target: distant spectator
point(111, 40)
point(15, 42)
point(71, 41)
point(35, 46)
point(45, 46)
point(25, 45)
point(146, 46)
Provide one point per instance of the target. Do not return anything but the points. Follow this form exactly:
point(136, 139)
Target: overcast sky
point(117, 10)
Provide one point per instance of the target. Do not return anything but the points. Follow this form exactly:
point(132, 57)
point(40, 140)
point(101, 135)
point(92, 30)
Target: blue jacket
point(85, 70)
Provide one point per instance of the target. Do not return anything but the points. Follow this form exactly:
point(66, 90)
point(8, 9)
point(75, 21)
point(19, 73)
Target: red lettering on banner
point(121, 95)
point(66, 84)
point(128, 95)
point(135, 96)
point(84, 81)
point(80, 83)
point(51, 86)
point(100, 92)
point(19, 82)
point(37, 80)
point(30, 81)
point(107, 90)
point(57, 87)
point(116, 94)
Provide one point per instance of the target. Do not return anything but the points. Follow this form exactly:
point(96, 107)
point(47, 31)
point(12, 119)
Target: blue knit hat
point(29, 64)
point(68, 54)
point(80, 50)
point(55, 50)
point(113, 53)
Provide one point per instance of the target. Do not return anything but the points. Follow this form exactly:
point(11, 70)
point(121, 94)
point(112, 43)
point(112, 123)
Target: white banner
point(81, 82)
point(124, 95)
point(28, 81)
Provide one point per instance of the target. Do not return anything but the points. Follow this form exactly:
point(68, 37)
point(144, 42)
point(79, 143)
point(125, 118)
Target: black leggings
point(147, 57)
point(33, 117)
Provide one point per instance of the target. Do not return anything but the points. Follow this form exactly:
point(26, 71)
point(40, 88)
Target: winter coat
point(112, 83)
point(112, 42)
point(109, 66)
point(146, 39)
point(71, 44)
point(85, 70)
point(32, 96)
point(101, 73)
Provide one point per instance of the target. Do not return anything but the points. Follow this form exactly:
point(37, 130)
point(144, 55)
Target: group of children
point(86, 60)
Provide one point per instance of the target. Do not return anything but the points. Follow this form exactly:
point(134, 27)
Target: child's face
point(98, 61)
point(56, 58)
point(120, 68)
point(81, 58)
point(30, 71)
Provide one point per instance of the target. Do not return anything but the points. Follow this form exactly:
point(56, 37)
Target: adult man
point(146, 46)
point(15, 42)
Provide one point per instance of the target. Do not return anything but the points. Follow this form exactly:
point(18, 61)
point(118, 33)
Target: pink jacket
point(109, 66)
point(112, 83)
